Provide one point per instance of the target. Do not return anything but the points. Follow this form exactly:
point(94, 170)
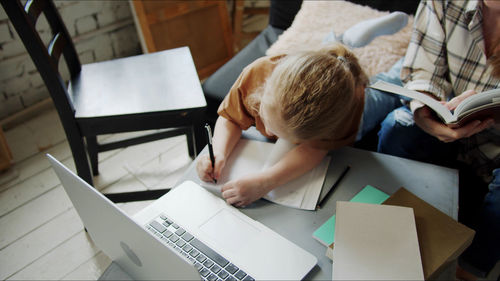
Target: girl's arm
point(226, 136)
point(295, 163)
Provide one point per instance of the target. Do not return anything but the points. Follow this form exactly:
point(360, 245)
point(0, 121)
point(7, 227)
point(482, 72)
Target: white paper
point(250, 156)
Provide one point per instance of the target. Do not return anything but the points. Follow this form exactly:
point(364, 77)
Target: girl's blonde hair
point(315, 90)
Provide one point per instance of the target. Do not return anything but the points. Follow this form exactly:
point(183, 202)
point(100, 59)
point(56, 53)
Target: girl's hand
point(226, 135)
point(243, 191)
point(296, 162)
point(205, 170)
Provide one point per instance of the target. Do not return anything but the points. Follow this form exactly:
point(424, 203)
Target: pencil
point(335, 184)
point(210, 147)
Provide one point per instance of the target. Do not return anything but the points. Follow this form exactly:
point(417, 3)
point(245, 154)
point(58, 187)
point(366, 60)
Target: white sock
point(361, 34)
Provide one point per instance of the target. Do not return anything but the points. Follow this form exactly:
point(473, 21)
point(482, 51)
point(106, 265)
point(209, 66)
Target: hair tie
point(342, 59)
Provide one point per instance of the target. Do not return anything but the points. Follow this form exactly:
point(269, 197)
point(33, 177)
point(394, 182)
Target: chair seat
point(159, 91)
point(128, 86)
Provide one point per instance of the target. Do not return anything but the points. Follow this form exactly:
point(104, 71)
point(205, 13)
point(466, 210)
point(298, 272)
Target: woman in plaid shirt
point(454, 53)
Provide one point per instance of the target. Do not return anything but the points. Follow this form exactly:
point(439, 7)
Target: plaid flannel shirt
point(446, 56)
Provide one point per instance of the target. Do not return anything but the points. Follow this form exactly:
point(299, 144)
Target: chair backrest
point(46, 57)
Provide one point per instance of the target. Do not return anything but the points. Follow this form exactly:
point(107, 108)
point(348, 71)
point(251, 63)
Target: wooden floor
point(41, 235)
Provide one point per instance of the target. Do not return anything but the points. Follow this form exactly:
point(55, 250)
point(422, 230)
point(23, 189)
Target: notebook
point(224, 241)
point(375, 242)
point(251, 156)
point(325, 234)
point(442, 239)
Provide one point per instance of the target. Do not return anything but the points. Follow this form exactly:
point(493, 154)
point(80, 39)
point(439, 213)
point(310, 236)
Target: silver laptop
point(187, 234)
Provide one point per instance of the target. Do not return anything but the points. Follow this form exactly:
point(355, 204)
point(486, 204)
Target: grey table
point(434, 184)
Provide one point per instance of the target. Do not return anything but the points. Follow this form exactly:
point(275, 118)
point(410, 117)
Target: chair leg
point(92, 150)
point(80, 157)
point(200, 139)
point(191, 142)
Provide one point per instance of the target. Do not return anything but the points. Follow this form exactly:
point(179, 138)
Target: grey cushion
point(219, 83)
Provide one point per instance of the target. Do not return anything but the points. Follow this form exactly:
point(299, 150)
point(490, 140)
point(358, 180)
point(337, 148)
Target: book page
point(478, 101)
point(435, 105)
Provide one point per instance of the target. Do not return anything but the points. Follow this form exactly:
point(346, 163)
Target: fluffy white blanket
point(316, 19)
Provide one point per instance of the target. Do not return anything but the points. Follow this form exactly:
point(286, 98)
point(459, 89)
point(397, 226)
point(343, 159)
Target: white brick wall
point(102, 30)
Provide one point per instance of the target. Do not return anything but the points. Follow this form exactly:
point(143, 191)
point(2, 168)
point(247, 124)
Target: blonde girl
point(314, 99)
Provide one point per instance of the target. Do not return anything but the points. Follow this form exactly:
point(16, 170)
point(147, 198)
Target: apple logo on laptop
point(132, 256)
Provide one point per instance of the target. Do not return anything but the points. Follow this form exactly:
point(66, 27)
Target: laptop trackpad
point(229, 230)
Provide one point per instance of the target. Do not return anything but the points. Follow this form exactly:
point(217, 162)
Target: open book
point(250, 156)
point(476, 107)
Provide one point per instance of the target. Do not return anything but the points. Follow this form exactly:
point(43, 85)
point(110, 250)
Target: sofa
point(299, 25)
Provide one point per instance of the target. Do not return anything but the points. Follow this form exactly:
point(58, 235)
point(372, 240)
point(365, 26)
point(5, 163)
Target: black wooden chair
point(158, 91)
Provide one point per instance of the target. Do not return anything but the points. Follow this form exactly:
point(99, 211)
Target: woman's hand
point(243, 191)
point(425, 119)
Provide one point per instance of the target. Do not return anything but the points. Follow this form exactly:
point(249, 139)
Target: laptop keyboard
point(210, 264)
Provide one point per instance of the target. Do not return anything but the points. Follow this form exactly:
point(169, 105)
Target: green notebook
point(325, 234)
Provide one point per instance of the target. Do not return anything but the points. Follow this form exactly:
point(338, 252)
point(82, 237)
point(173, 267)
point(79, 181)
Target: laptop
point(187, 234)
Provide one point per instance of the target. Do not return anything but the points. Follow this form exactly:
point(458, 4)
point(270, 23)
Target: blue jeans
point(378, 103)
point(400, 136)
